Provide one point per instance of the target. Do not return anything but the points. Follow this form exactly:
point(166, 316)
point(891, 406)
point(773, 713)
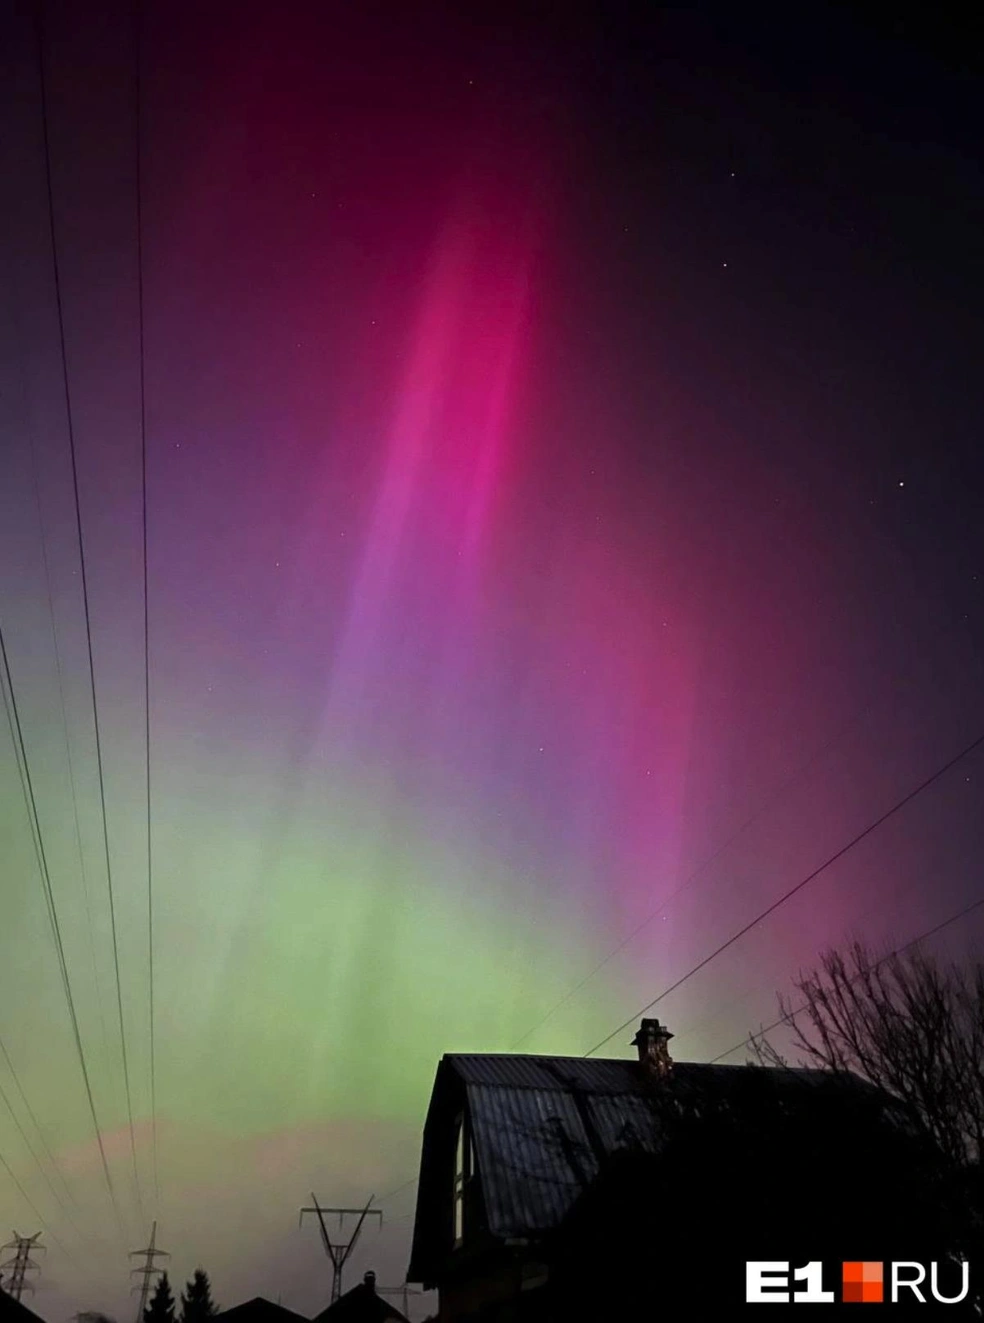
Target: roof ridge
point(545, 1056)
point(609, 1061)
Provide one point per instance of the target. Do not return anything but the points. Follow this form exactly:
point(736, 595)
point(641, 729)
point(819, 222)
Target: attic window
point(463, 1168)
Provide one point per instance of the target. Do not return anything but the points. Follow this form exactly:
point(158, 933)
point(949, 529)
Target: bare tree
point(914, 1028)
point(908, 1025)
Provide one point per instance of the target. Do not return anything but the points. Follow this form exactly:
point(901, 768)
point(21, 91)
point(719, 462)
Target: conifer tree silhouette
point(197, 1305)
point(161, 1307)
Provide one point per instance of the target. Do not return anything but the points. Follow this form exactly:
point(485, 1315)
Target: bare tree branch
point(913, 1028)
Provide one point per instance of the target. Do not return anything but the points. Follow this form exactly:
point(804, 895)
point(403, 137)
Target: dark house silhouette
point(572, 1188)
point(12, 1311)
point(362, 1304)
point(259, 1310)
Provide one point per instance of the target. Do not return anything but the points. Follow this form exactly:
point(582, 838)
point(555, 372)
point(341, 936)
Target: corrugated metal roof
point(535, 1153)
point(542, 1125)
point(514, 1072)
point(597, 1074)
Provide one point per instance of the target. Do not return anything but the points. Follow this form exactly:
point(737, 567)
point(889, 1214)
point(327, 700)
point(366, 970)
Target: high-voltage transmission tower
point(338, 1251)
point(404, 1292)
point(147, 1271)
point(21, 1263)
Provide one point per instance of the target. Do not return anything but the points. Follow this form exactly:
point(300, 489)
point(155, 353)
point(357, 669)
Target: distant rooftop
point(362, 1304)
point(259, 1310)
point(13, 1311)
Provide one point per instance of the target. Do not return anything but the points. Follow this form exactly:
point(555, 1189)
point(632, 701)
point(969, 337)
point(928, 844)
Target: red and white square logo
point(863, 1283)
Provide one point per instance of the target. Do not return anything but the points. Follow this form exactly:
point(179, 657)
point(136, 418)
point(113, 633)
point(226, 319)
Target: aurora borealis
point(563, 521)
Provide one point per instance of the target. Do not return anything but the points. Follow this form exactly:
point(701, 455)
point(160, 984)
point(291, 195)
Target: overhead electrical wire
point(56, 1167)
point(696, 873)
point(40, 1166)
point(718, 1010)
point(399, 1189)
point(783, 1019)
point(85, 588)
point(13, 721)
point(138, 81)
point(789, 1016)
point(840, 853)
point(736, 835)
point(34, 1209)
point(788, 895)
point(62, 705)
point(59, 670)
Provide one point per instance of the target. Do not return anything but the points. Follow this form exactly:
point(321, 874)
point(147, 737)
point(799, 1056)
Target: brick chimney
point(369, 1282)
point(652, 1041)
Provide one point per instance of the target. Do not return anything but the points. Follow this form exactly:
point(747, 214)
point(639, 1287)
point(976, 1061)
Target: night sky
point(564, 518)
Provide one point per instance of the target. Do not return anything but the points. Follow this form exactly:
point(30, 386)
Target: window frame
point(461, 1179)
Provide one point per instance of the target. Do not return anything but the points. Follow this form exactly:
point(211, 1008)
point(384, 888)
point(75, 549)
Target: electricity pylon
point(22, 1263)
point(339, 1251)
point(404, 1291)
point(147, 1271)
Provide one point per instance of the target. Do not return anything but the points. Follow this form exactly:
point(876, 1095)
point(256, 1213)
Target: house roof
point(259, 1310)
point(543, 1126)
point(360, 1305)
point(12, 1311)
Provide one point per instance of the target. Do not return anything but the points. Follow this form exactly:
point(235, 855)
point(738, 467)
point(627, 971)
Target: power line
point(875, 907)
point(85, 587)
point(37, 1161)
point(907, 799)
point(13, 721)
point(63, 709)
point(400, 1188)
point(791, 1015)
point(36, 1123)
point(825, 747)
point(405, 1292)
point(137, 33)
point(30, 1203)
point(701, 868)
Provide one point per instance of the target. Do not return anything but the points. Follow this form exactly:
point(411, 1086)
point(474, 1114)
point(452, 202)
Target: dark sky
point(564, 494)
